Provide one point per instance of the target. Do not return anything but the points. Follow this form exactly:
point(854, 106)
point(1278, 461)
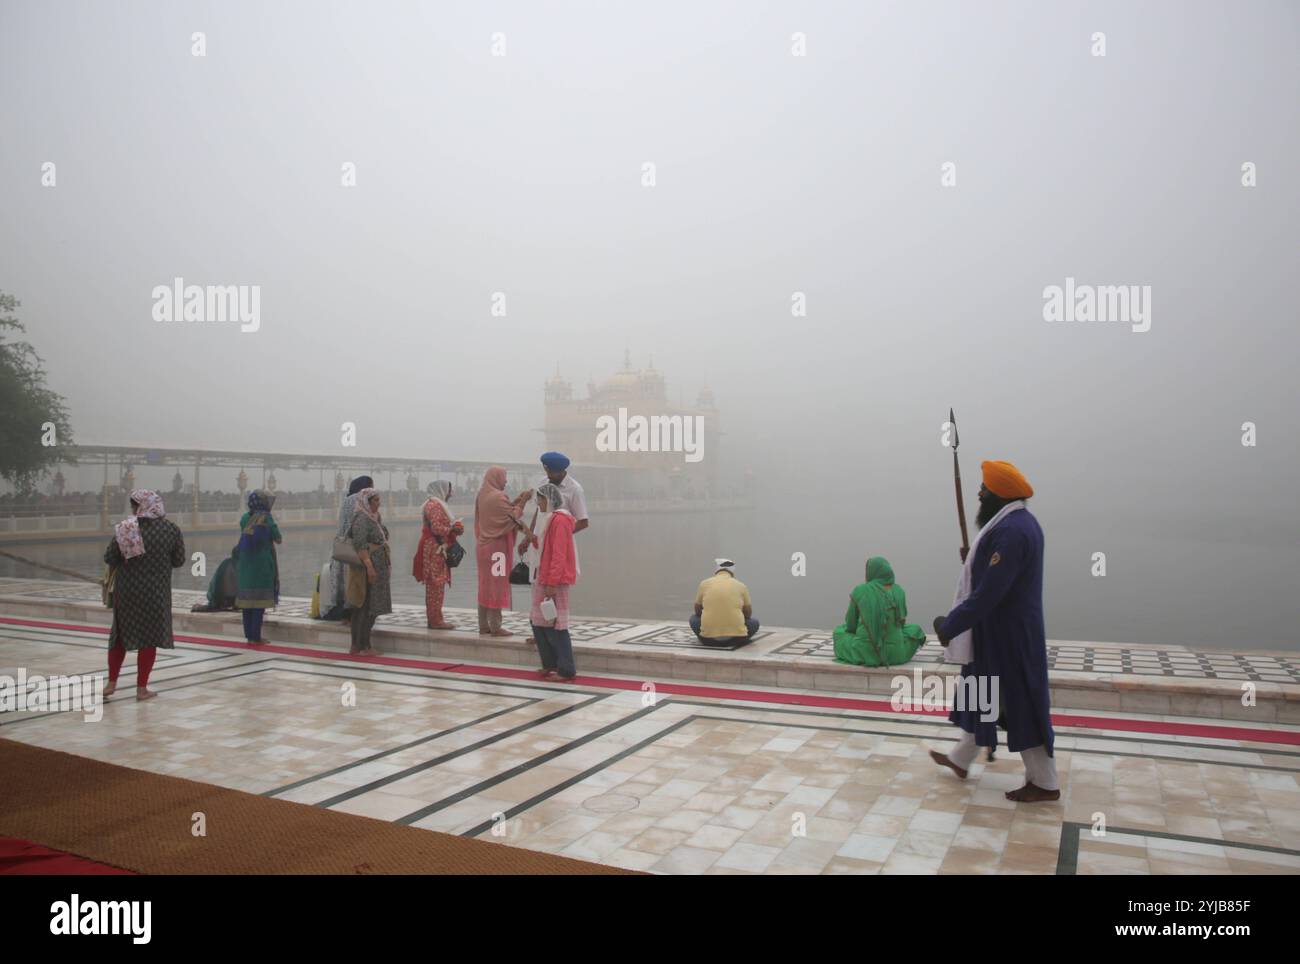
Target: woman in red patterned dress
point(431, 568)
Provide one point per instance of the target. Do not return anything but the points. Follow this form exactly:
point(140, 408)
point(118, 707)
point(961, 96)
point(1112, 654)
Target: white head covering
point(149, 505)
point(542, 522)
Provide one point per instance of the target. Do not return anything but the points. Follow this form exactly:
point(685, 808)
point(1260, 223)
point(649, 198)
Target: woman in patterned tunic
point(146, 547)
point(370, 584)
point(259, 571)
point(430, 564)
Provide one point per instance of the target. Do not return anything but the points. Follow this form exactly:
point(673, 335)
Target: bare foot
point(943, 761)
point(548, 674)
point(442, 625)
point(144, 694)
point(500, 632)
point(1032, 794)
point(110, 689)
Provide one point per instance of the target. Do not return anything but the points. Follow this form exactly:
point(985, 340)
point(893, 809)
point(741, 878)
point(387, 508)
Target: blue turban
point(555, 461)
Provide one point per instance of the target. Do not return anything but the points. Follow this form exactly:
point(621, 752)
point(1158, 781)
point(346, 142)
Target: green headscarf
point(879, 600)
point(879, 570)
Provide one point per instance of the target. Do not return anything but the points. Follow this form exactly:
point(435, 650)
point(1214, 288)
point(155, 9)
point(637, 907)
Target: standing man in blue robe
point(996, 631)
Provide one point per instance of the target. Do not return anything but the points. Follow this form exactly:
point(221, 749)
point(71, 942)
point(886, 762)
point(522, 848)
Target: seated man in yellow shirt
point(724, 615)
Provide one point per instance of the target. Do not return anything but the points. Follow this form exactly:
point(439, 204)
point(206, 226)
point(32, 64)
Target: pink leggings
point(143, 663)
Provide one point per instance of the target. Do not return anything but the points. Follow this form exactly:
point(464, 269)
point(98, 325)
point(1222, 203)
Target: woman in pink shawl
point(496, 518)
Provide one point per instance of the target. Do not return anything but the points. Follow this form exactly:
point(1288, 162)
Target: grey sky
point(775, 174)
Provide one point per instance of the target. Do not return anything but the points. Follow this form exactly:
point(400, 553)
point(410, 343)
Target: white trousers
point(1040, 769)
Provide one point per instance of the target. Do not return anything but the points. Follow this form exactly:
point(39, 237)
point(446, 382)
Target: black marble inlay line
point(579, 777)
point(439, 760)
point(317, 672)
point(167, 656)
point(43, 636)
point(515, 771)
point(215, 669)
point(591, 771)
point(945, 736)
point(917, 736)
point(527, 701)
point(437, 671)
point(321, 671)
point(326, 658)
point(174, 662)
point(170, 661)
point(1067, 859)
point(696, 702)
point(1067, 854)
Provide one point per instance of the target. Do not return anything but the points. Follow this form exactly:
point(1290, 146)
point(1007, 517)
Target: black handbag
point(520, 573)
point(454, 552)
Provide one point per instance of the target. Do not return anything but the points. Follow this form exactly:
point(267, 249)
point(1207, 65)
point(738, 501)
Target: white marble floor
point(705, 783)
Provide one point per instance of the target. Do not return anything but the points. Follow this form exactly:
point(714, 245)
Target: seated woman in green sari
point(875, 631)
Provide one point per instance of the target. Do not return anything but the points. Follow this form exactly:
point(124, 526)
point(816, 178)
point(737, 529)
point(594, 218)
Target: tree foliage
point(27, 407)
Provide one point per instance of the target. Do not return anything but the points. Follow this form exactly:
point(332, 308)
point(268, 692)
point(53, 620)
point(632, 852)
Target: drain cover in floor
point(611, 803)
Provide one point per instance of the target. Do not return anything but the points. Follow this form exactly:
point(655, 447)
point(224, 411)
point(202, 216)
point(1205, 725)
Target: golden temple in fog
point(571, 425)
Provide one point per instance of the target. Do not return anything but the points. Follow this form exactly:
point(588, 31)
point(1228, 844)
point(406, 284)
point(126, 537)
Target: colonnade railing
point(215, 518)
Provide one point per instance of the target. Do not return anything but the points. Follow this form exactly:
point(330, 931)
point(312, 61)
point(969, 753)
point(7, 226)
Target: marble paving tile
point(769, 791)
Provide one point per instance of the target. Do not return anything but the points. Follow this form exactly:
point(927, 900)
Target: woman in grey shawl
point(339, 570)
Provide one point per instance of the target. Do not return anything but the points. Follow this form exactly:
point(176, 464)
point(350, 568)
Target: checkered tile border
point(1111, 659)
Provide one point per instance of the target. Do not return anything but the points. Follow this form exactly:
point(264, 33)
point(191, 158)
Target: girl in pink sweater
point(554, 570)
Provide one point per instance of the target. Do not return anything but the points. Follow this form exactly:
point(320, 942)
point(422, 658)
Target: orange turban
point(1005, 481)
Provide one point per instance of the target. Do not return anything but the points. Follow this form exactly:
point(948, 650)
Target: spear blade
point(956, 478)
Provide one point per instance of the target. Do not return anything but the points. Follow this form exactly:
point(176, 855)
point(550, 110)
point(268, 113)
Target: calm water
point(1157, 591)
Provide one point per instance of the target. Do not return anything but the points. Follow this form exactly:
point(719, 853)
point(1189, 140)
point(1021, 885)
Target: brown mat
point(142, 821)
